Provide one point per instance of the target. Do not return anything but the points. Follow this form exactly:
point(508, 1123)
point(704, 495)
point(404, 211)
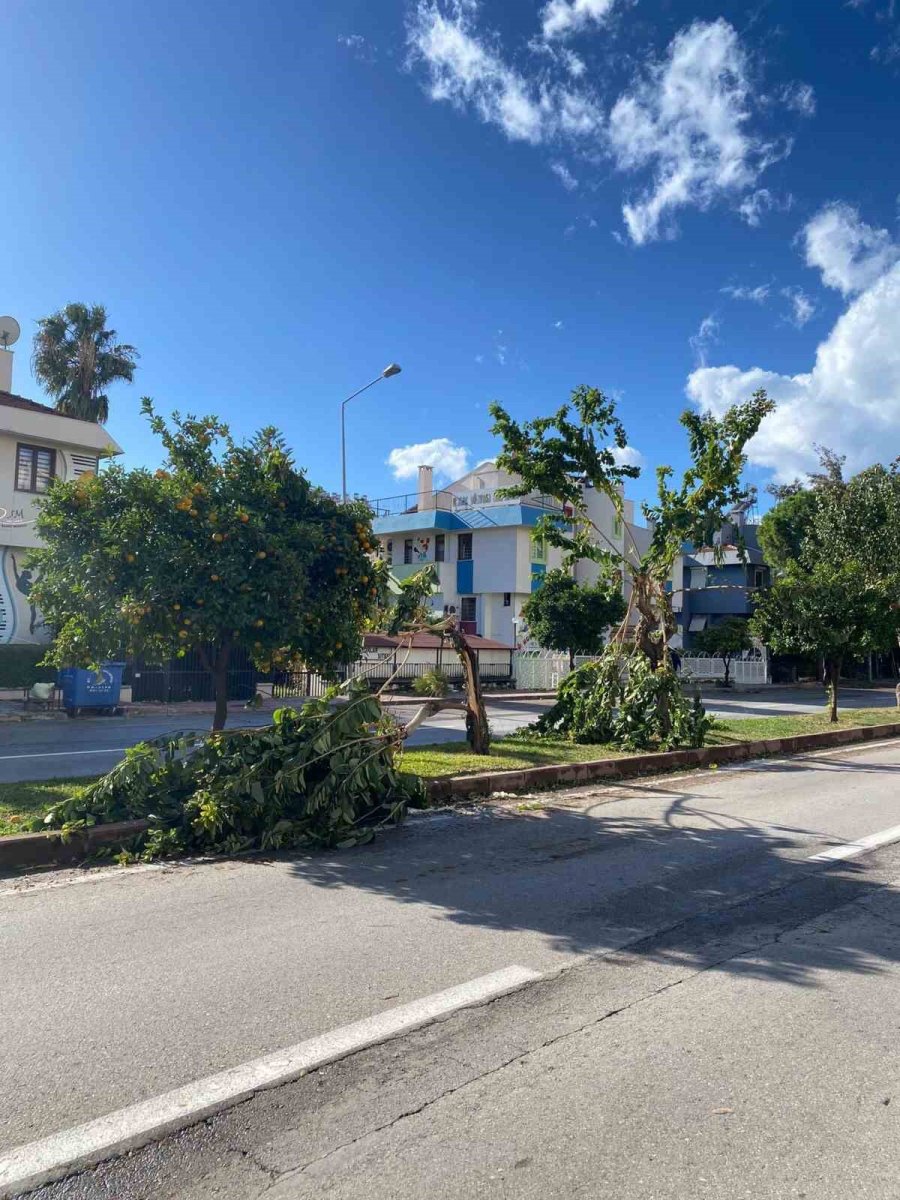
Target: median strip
point(85, 1145)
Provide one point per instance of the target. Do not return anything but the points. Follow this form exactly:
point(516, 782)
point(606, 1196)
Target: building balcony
point(731, 601)
point(401, 571)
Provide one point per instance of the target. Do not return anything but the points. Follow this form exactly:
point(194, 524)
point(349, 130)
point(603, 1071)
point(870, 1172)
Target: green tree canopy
point(225, 546)
point(75, 357)
point(724, 640)
point(786, 529)
point(833, 610)
point(568, 616)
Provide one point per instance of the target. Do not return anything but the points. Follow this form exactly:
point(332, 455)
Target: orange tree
point(226, 546)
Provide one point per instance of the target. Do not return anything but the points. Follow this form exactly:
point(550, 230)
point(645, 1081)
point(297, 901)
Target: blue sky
point(676, 201)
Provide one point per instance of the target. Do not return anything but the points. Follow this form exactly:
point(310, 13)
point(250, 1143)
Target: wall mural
point(20, 620)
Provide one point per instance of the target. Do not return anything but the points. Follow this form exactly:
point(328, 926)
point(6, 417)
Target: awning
point(697, 623)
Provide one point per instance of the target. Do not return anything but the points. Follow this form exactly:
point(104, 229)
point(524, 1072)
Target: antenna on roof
point(9, 332)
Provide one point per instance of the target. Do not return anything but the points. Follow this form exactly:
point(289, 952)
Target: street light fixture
point(389, 370)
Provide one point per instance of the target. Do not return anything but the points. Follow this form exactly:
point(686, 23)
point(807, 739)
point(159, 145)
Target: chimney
point(425, 498)
point(6, 365)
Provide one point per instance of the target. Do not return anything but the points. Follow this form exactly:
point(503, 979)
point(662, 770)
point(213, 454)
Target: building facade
point(485, 548)
point(37, 445)
point(711, 584)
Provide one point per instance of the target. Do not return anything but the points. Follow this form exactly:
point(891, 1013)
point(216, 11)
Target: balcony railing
point(444, 501)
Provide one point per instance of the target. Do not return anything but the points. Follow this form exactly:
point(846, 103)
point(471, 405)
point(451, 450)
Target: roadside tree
point(570, 617)
point(227, 546)
point(725, 640)
point(832, 611)
point(575, 450)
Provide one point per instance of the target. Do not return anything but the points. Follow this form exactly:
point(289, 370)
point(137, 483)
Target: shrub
point(19, 669)
point(432, 683)
point(315, 777)
point(620, 700)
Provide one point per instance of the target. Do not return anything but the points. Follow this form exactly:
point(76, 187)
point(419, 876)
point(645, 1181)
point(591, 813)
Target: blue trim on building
point(499, 516)
point(465, 574)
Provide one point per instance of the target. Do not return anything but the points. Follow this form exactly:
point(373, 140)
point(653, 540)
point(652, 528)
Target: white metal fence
point(544, 670)
point(752, 667)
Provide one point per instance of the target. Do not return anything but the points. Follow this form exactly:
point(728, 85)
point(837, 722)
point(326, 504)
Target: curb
point(440, 791)
point(51, 850)
point(24, 850)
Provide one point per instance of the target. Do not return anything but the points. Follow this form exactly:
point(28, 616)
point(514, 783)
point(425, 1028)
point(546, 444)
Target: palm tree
point(76, 358)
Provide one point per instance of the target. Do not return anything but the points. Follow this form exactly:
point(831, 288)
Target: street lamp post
point(389, 370)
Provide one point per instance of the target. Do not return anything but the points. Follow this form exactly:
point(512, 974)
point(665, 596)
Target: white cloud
point(564, 175)
point(706, 336)
point(464, 71)
point(687, 121)
point(468, 71)
point(628, 456)
point(685, 125)
point(800, 97)
point(850, 254)
point(479, 358)
point(361, 48)
point(803, 307)
point(756, 295)
point(562, 18)
point(449, 460)
point(558, 325)
point(849, 400)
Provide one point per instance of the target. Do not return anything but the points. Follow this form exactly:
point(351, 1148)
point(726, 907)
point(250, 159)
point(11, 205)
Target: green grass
point(507, 754)
point(22, 803)
point(751, 728)
point(514, 754)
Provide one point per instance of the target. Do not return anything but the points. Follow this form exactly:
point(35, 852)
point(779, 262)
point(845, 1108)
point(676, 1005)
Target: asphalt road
point(718, 1016)
point(45, 749)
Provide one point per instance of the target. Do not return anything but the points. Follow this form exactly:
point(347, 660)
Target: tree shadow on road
point(687, 884)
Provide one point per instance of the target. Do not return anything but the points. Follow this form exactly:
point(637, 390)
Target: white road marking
point(860, 846)
point(63, 753)
point(61, 1154)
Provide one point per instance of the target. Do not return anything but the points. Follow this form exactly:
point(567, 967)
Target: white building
point(37, 445)
point(487, 554)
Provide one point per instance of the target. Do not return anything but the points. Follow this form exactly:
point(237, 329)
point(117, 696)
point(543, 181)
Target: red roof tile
point(12, 401)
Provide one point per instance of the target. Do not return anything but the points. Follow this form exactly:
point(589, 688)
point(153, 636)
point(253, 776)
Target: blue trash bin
point(98, 690)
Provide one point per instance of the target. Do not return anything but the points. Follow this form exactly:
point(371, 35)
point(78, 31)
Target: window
point(464, 548)
point(438, 547)
point(407, 550)
point(467, 607)
point(35, 468)
point(617, 526)
point(759, 577)
point(507, 599)
point(389, 552)
point(698, 577)
point(538, 549)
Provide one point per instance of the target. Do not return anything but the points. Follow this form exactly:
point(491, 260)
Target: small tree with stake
point(567, 616)
point(226, 546)
point(729, 637)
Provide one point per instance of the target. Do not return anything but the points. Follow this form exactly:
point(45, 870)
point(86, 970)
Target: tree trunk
point(833, 668)
point(220, 687)
point(478, 734)
point(656, 623)
point(726, 659)
point(571, 660)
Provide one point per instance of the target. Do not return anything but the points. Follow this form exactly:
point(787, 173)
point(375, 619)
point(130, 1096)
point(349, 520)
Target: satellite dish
point(9, 332)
